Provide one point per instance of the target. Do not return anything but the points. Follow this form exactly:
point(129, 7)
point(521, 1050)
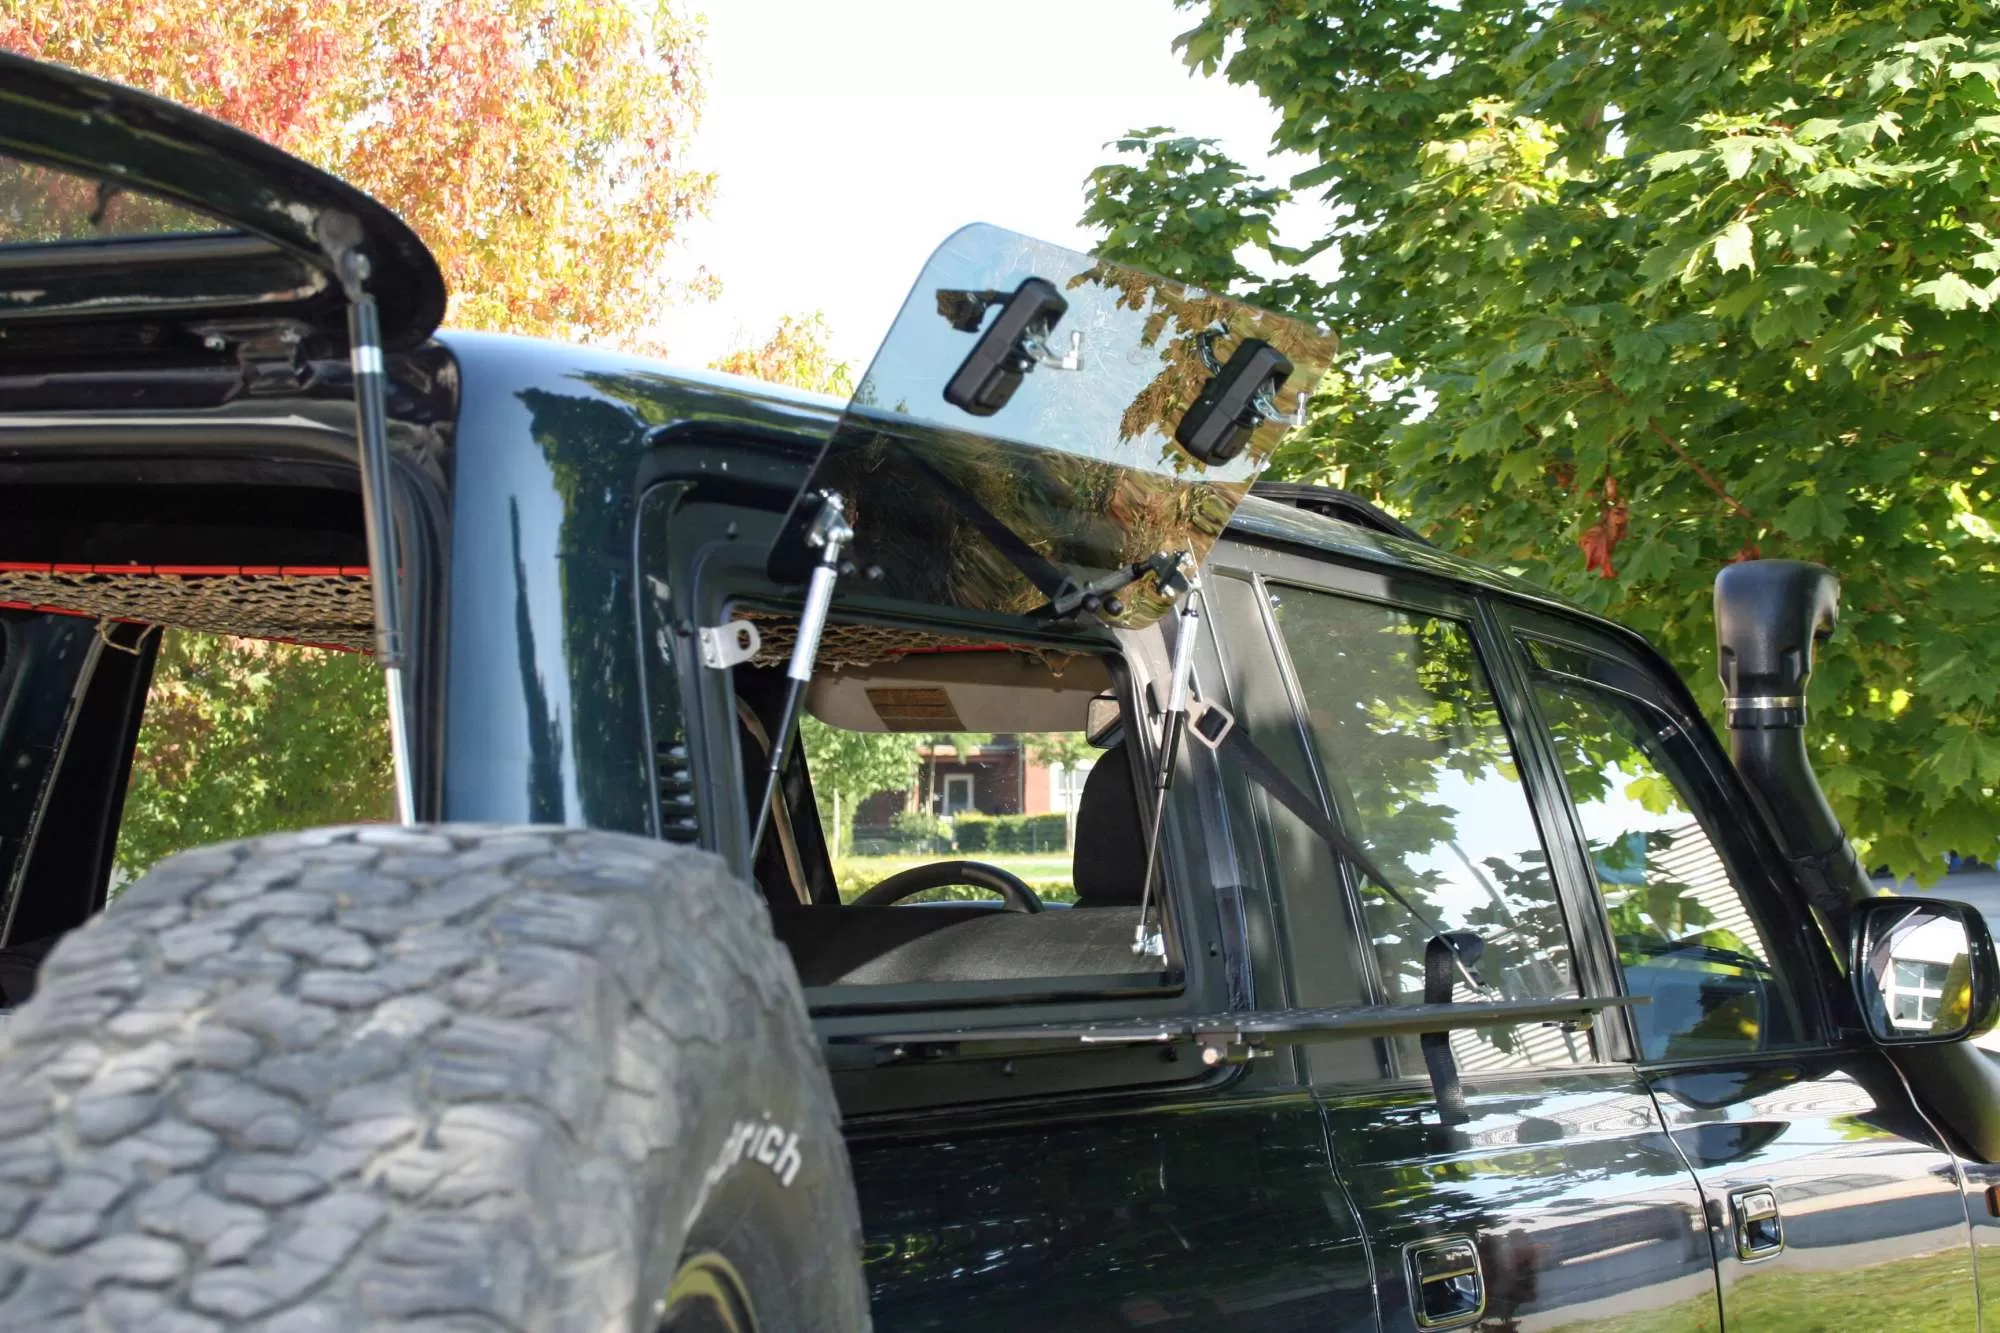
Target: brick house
point(997, 778)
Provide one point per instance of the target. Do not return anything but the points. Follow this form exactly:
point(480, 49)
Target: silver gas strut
point(829, 533)
point(1145, 942)
point(364, 339)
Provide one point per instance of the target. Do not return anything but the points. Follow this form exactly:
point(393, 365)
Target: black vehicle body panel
point(1221, 1213)
point(1220, 1203)
point(1864, 1185)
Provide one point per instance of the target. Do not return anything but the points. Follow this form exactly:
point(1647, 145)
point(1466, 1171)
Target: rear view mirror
point(1923, 970)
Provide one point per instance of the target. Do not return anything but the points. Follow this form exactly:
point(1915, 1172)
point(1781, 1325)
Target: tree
point(535, 145)
point(1674, 286)
point(850, 766)
point(796, 354)
point(245, 736)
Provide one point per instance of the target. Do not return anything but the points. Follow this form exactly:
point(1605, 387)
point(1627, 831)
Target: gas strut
point(829, 533)
point(378, 511)
point(1144, 942)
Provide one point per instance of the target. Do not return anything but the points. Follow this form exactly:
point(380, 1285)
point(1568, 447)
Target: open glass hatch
point(1044, 432)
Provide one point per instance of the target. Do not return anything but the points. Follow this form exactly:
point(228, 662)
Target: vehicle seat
point(947, 942)
point(1109, 863)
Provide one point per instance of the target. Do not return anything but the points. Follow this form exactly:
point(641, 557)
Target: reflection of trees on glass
point(1685, 937)
point(1177, 318)
point(1078, 474)
point(1422, 769)
point(39, 205)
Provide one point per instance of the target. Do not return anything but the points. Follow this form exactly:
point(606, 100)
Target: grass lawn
point(1931, 1294)
point(1047, 873)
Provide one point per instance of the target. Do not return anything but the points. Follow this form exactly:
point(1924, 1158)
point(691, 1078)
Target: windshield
point(1074, 472)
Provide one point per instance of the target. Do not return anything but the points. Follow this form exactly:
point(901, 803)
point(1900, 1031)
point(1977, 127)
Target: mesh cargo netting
point(331, 608)
point(327, 607)
point(847, 645)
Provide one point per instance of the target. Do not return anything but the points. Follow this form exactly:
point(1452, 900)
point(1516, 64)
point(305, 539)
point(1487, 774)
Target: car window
point(1421, 769)
point(1686, 936)
point(892, 800)
point(246, 736)
point(948, 824)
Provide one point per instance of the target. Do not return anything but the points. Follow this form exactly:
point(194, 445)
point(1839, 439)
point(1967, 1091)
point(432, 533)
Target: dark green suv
point(1272, 922)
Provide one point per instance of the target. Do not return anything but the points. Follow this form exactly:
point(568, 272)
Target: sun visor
point(1044, 433)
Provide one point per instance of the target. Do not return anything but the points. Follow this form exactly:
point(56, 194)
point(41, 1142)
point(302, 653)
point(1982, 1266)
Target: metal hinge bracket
point(727, 645)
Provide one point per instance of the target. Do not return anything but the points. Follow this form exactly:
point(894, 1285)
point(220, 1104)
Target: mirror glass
point(1101, 725)
point(1916, 971)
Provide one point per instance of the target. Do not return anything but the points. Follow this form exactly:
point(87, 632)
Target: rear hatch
point(130, 223)
point(162, 270)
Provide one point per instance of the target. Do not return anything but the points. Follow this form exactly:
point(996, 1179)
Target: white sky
point(851, 136)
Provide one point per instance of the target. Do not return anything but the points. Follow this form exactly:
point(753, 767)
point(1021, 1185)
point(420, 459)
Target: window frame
point(1592, 959)
point(966, 782)
point(700, 552)
point(1744, 845)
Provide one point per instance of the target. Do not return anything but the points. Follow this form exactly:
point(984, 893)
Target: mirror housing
point(1923, 970)
point(1101, 721)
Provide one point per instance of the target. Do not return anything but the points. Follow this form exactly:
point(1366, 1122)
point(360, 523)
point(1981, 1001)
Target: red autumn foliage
point(1600, 540)
point(533, 144)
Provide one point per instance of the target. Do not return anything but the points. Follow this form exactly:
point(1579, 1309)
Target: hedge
point(1011, 833)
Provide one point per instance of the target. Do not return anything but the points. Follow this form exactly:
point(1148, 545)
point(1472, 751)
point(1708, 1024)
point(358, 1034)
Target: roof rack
point(1331, 502)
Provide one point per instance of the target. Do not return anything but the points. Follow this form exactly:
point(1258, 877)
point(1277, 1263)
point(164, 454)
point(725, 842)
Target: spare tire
point(459, 1077)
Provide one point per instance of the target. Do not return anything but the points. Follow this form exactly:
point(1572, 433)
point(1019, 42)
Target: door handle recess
point(1759, 1227)
point(1446, 1287)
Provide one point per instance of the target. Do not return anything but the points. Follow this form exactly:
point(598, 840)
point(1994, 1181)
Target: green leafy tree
point(1632, 291)
point(243, 737)
point(797, 354)
point(850, 766)
point(1051, 748)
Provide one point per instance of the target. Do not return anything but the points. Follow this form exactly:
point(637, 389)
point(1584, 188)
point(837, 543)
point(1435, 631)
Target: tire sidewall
point(770, 1195)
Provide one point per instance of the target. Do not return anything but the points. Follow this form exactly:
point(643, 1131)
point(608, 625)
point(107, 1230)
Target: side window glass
point(1686, 936)
point(1422, 770)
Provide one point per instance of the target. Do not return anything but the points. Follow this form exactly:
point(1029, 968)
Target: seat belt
point(1444, 953)
point(1216, 728)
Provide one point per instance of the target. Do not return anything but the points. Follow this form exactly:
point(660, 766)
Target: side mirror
point(1923, 970)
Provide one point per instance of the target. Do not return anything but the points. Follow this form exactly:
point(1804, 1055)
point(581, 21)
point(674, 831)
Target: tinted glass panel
point(1685, 934)
point(40, 206)
point(1422, 770)
point(1015, 499)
